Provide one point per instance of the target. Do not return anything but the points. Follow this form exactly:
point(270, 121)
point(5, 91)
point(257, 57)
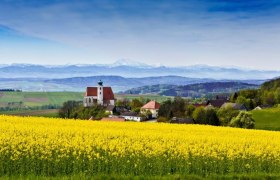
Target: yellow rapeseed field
point(46, 146)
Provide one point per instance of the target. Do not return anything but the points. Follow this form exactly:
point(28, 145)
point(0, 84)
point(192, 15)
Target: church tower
point(100, 93)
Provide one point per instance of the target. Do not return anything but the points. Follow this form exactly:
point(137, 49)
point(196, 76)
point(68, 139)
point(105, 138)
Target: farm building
point(132, 116)
point(99, 95)
point(151, 106)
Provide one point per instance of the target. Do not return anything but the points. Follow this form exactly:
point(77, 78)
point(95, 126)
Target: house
point(99, 95)
point(182, 120)
point(235, 106)
point(199, 105)
point(218, 102)
point(151, 106)
point(132, 116)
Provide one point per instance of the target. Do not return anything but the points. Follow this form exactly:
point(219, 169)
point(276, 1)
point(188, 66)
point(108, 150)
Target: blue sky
point(168, 32)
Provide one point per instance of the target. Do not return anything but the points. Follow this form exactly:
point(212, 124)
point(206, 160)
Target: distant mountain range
point(193, 90)
point(132, 69)
point(118, 83)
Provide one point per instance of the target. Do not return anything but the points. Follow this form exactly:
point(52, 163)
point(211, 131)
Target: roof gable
point(151, 105)
point(107, 92)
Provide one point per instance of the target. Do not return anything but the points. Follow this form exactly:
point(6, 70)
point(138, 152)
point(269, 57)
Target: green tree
point(226, 114)
point(211, 117)
point(243, 120)
point(189, 110)
point(68, 109)
point(135, 104)
point(199, 115)
point(165, 109)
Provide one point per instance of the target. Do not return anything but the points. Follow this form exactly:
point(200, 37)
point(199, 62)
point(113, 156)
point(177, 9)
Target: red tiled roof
point(107, 92)
point(151, 105)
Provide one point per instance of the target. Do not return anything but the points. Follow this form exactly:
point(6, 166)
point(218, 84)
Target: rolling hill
point(192, 90)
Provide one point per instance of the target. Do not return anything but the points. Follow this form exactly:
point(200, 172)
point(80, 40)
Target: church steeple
point(100, 83)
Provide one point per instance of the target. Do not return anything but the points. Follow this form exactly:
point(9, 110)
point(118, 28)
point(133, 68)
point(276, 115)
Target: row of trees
point(268, 95)
point(76, 110)
point(204, 115)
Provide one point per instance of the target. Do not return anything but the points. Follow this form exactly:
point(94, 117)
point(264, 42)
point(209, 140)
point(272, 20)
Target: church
point(99, 95)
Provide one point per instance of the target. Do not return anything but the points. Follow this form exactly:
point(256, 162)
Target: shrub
point(243, 120)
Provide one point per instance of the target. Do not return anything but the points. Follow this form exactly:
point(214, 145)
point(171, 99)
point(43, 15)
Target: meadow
point(51, 147)
point(32, 99)
point(268, 119)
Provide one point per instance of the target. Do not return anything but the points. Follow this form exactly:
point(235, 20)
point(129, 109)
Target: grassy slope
point(268, 119)
point(41, 113)
point(39, 98)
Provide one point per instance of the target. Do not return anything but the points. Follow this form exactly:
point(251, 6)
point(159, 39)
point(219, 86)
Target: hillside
point(268, 119)
point(192, 90)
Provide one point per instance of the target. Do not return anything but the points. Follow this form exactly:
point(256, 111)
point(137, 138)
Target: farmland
point(32, 99)
point(268, 119)
point(55, 147)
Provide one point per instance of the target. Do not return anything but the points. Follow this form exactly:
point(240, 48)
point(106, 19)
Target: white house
point(99, 95)
point(132, 116)
point(151, 106)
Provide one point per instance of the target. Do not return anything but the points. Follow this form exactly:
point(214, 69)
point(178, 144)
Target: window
point(100, 93)
point(100, 88)
point(89, 100)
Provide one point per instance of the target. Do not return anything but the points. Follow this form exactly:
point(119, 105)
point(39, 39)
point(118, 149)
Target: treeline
point(76, 110)
point(225, 116)
point(15, 106)
point(267, 95)
point(10, 90)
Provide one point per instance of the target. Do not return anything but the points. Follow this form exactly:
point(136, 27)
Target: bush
point(162, 119)
point(243, 120)
point(199, 115)
point(226, 114)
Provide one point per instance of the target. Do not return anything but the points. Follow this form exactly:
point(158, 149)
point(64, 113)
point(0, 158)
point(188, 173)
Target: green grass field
point(268, 119)
point(32, 99)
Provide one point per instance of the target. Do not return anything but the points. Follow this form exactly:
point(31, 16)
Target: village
point(214, 110)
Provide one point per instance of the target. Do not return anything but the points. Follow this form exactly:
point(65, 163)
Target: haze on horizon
point(168, 32)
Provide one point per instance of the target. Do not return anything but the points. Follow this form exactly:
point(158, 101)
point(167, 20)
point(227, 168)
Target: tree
point(165, 109)
point(233, 97)
point(199, 115)
point(269, 98)
point(68, 108)
point(211, 117)
point(189, 110)
point(135, 104)
point(226, 114)
point(243, 120)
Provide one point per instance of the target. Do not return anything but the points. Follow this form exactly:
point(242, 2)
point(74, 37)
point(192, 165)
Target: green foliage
point(199, 115)
point(162, 119)
point(189, 110)
point(226, 114)
point(135, 104)
point(243, 120)
point(175, 108)
point(211, 117)
point(68, 109)
point(165, 109)
point(75, 110)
